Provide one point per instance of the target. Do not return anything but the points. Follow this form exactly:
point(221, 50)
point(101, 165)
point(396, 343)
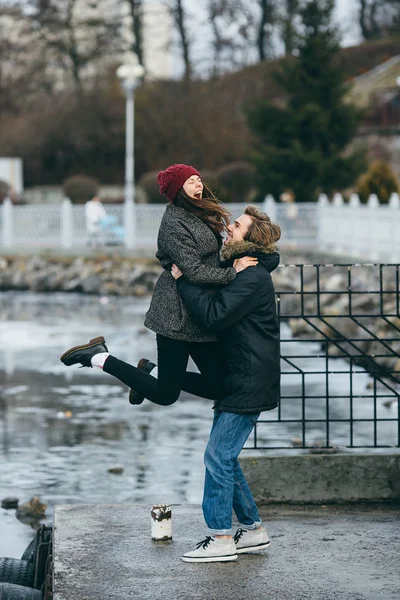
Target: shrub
point(238, 179)
point(380, 180)
point(80, 188)
point(149, 184)
point(210, 178)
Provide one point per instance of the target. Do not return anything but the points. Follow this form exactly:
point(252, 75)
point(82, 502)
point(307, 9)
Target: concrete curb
point(324, 479)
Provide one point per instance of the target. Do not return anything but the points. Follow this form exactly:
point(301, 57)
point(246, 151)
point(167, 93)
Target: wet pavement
point(320, 553)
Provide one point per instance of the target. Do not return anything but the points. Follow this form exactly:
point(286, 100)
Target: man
point(243, 314)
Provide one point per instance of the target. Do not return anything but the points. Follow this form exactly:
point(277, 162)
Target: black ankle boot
point(147, 366)
point(83, 354)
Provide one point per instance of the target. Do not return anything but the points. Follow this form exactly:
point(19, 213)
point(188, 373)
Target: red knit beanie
point(172, 179)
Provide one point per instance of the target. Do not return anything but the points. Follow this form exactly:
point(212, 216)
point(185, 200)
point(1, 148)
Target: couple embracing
point(214, 302)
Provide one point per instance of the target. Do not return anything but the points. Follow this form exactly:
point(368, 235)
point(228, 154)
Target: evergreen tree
point(301, 146)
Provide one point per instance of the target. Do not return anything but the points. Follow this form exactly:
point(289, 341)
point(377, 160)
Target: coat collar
point(232, 251)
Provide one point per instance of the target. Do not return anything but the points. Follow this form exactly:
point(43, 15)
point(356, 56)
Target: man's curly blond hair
point(262, 231)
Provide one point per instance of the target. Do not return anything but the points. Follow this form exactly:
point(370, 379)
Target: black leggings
point(173, 356)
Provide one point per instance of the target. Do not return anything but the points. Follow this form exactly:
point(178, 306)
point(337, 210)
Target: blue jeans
point(225, 486)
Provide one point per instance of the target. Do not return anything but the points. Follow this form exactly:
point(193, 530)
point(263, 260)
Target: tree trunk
point(370, 28)
point(136, 8)
point(179, 15)
point(289, 32)
point(261, 31)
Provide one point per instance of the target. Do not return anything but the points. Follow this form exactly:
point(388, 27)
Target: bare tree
point(22, 63)
point(76, 36)
point(233, 25)
point(368, 23)
point(136, 12)
point(215, 11)
point(288, 25)
point(266, 22)
point(179, 16)
point(379, 18)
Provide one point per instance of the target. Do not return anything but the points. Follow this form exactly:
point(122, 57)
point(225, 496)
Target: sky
point(345, 15)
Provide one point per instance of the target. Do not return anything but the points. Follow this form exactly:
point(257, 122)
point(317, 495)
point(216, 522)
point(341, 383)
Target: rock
point(36, 263)
point(388, 403)
point(134, 275)
point(319, 448)
point(109, 288)
point(18, 281)
point(363, 304)
point(3, 263)
point(116, 470)
point(78, 263)
point(140, 290)
point(299, 327)
point(9, 503)
point(32, 510)
point(74, 285)
point(91, 285)
point(297, 442)
point(335, 283)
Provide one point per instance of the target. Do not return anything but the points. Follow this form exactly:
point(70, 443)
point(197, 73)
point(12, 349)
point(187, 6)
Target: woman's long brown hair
point(208, 209)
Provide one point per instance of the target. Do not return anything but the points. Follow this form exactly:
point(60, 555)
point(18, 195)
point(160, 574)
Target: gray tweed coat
point(185, 240)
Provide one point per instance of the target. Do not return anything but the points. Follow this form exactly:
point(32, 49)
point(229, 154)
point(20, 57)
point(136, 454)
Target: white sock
point(99, 359)
point(154, 372)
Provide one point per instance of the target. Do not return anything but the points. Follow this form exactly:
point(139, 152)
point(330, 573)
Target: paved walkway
point(317, 553)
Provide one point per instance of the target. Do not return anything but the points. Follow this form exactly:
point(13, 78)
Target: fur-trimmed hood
point(236, 250)
point(267, 256)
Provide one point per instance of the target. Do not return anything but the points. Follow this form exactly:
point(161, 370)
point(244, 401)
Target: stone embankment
point(337, 309)
point(102, 275)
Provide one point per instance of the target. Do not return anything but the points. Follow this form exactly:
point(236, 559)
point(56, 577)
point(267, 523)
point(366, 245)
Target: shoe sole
point(253, 548)
point(68, 353)
point(210, 559)
point(141, 365)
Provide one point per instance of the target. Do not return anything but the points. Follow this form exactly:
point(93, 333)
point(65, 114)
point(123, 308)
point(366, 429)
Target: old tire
point(30, 552)
point(11, 591)
point(15, 570)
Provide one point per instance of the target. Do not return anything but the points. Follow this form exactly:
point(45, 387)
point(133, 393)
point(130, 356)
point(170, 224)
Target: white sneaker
point(212, 550)
point(250, 540)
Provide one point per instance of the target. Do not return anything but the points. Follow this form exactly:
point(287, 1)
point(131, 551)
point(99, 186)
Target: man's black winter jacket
point(243, 314)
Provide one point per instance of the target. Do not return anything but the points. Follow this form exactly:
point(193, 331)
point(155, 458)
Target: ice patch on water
point(12, 391)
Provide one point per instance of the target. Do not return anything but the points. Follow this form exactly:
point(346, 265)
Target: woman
point(190, 236)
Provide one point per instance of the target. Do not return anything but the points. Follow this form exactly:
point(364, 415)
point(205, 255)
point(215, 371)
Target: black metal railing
point(340, 359)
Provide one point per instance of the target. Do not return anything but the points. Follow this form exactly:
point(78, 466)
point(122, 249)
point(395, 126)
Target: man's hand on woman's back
point(241, 264)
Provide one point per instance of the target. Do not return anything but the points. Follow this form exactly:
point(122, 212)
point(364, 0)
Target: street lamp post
point(129, 75)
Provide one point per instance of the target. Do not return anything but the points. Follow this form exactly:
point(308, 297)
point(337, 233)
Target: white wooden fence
point(366, 231)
